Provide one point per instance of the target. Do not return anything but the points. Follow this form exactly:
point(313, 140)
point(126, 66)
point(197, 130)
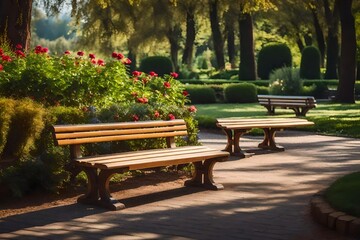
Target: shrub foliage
point(240, 93)
point(310, 63)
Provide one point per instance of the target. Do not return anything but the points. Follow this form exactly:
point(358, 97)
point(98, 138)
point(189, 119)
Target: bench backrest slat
point(91, 133)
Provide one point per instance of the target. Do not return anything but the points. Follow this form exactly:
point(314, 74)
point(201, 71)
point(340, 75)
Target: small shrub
point(227, 74)
point(159, 64)
point(7, 107)
point(272, 57)
point(201, 94)
point(285, 81)
point(262, 90)
point(310, 63)
point(240, 93)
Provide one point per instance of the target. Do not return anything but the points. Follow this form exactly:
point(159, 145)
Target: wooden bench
point(235, 128)
point(300, 104)
point(100, 168)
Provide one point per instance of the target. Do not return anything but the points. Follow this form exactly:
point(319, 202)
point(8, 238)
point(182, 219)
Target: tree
point(216, 34)
point(347, 78)
point(15, 19)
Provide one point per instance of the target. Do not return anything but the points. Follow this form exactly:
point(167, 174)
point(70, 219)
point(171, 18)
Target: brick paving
point(266, 196)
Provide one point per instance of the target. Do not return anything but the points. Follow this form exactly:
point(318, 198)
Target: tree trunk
point(190, 38)
point(15, 18)
point(299, 42)
point(229, 29)
point(216, 34)
point(332, 19)
point(346, 86)
point(319, 36)
point(174, 35)
point(247, 69)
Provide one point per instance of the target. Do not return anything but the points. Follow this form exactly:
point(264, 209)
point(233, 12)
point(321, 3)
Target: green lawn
point(330, 118)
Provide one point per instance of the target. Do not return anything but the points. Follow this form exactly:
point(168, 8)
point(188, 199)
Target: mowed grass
point(329, 118)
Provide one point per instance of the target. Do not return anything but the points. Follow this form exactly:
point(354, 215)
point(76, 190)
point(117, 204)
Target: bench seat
point(100, 168)
point(300, 104)
point(234, 128)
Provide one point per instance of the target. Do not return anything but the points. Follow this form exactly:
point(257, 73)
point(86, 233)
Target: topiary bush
point(201, 94)
point(159, 64)
point(310, 63)
point(240, 93)
point(272, 57)
point(285, 81)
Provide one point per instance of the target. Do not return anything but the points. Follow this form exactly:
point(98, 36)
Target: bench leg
point(233, 141)
point(270, 109)
point(269, 140)
point(203, 175)
point(98, 192)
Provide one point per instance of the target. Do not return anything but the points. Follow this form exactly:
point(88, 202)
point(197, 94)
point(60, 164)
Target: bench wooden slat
point(256, 120)
point(268, 126)
point(118, 132)
point(121, 137)
point(111, 126)
point(108, 158)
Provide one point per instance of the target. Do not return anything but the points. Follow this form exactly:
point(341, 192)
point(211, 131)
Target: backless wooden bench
point(100, 168)
point(235, 128)
point(300, 104)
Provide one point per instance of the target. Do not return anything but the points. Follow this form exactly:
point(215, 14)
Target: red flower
point(136, 73)
point(19, 53)
point(6, 58)
point(38, 48)
point(174, 74)
point(91, 56)
point(1, 52)
point(44, 50)
point(156, 114)
point(1, 67)
point(18, 46)
point(67, 52)
point(135, 118)
point(192, 109)
point(80, 53)
point(143, 100)
point(167, 85)
point(185, 93)
point(120, 56)
point(93, 61)
point(114, 55)
point(126, 61)
point(100, 62)
point(153, 74)
point(171, 116)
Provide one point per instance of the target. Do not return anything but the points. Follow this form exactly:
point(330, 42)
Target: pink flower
point(100, 62)
point(136, 73)
point(18, 46)
point(185, 93)
point(1, 68)
point(192, 109)
point(93, 61)
point(171, 116)
point(91, 56)
point(153, 74)
point(135, 118)
point(167, 85)
point(174, 74)
point(80, 53)
point(67, 52)
point(156, 114)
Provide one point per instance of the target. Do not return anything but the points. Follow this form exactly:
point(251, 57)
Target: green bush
point(285, 81)
point(7, 110)
point(159, 64)
point(26, 125)
point(226, 74)
point(272, 57)
point(310, 63)
point(262, 90)
point(240, 93)
point(201, 94)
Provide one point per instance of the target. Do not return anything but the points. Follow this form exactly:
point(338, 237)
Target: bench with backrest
point(100, 168)
point(234, 128)
point(300, 104)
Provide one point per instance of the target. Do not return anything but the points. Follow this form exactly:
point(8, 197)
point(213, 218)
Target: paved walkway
point(266, 196)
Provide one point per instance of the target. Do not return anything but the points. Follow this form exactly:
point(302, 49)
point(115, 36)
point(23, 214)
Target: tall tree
point(230, 19)
point(318, 33)
point(332, 46)
point(189, 7)
point(216, 34)
point(347, 78)
point(15, 19)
